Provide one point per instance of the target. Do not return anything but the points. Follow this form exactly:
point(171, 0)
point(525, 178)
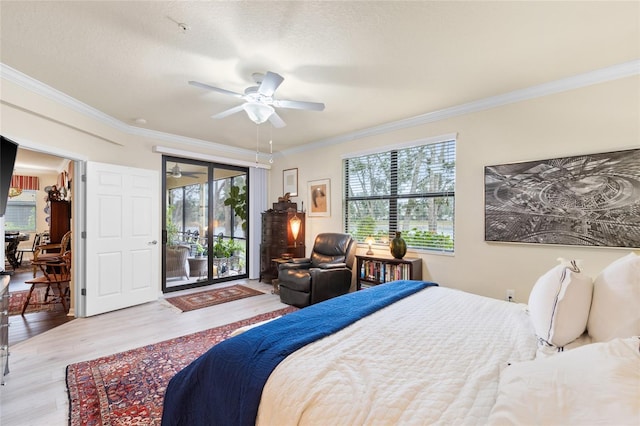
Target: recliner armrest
point(295, 265)
point(332, 265)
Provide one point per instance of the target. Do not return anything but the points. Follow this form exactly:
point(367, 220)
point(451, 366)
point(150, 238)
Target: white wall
point(599, 118)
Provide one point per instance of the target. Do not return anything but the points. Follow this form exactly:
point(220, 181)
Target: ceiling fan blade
point(276, 121)
point(215, 89)
point(228, 112)
point(312, 106)
point(270, 83)
point(192, 174)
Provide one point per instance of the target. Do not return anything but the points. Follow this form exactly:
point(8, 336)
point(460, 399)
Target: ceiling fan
point(259, 101)
point(176, 172)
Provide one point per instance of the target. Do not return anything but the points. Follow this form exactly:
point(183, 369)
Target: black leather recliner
point(326, 274)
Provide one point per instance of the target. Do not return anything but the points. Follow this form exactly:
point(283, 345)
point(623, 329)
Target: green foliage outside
point(172, 228)
point(225, 248)
point(417, 238)
point(408, 189)
point(414, 237)
point(237, 200)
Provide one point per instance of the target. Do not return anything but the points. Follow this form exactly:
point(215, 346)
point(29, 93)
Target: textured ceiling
point(369, 62)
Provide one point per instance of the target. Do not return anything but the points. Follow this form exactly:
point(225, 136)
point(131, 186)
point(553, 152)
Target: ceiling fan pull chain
point(257, 143)
point(271, 144)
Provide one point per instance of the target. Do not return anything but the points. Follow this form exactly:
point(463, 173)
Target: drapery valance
point(25, 182)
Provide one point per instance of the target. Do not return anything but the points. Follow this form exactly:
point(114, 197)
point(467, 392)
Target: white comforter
point(433, 358)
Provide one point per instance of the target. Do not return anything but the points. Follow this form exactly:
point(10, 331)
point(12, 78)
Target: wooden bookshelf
point(374, 270)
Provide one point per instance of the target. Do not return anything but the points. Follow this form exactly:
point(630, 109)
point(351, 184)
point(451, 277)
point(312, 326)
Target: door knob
point(153, 243)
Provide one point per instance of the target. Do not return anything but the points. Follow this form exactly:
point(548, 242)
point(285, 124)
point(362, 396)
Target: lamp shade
point(257, 112)
point(295, 223)
point(369, 240)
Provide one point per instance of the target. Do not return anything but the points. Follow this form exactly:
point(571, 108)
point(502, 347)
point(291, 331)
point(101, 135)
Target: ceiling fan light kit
point(258, 112)
point(175, 171)
point(259, 102)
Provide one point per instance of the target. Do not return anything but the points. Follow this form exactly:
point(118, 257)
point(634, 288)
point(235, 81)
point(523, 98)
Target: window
point(188, 207)
point(21, 212)
point(411, 190)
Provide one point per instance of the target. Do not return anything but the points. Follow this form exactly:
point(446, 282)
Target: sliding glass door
point(205, 217)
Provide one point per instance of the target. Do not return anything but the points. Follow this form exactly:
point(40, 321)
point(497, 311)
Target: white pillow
point(559, 304)
point(615, 310)
point(595, 384)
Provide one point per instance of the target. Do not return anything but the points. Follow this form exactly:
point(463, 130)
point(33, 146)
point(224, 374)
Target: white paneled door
point(122, 239)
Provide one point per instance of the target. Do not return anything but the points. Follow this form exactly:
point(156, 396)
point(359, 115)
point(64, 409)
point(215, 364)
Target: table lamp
point(369, 240)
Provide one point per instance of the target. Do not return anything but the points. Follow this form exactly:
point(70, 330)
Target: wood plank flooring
point(35, 391)
point(32, 324)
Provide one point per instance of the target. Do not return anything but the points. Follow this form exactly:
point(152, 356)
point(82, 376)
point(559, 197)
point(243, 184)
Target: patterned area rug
point(25, 266)
point(206, 298)
point(128, 388)
point(17, 299)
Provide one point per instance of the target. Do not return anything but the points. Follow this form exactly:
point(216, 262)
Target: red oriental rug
point(128, 388)
point(203, 299)
point(17, 299)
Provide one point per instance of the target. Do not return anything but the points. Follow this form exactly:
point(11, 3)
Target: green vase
point(398, 246)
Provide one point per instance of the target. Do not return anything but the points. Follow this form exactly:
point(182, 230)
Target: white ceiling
point(370, 62)
point(28, 161)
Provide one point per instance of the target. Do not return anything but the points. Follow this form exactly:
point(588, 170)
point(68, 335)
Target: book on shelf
point(382, 272)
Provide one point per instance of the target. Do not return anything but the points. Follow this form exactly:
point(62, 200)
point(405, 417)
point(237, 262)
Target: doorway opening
point(41, 219)
point(205, 217)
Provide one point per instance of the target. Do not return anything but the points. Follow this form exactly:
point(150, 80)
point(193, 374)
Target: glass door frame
point(209, 239)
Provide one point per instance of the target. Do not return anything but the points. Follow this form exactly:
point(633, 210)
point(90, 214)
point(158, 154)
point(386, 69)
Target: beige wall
point(600, 118)
point(33, 120)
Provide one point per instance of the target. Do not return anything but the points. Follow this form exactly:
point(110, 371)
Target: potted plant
point(219, 248)
point(237, 200)
point(199, 249)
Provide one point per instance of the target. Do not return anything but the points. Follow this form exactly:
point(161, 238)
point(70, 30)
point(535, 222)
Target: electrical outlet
point(511, 295)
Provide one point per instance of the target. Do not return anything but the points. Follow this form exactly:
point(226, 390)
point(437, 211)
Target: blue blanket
point(224, 385)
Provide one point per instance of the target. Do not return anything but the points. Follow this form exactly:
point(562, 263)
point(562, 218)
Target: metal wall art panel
point(587, 200)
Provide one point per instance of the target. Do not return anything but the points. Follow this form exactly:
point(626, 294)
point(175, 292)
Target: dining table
point(12, 241)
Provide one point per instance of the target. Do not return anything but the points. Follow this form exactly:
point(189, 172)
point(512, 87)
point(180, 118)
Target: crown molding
point(39, 88)
point(602, 75)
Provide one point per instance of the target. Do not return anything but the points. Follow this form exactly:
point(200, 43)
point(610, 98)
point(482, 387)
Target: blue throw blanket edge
point(224, 385)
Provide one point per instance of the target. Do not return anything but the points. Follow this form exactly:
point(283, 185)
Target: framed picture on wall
point(319, 197)
point(290, 182)
point(586, 200)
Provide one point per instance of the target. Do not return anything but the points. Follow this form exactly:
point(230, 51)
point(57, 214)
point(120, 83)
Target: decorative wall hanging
point(319, 197)
point(290, 182)
point(586, 200)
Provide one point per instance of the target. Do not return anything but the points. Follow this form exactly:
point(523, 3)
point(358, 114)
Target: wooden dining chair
point(22, 250)
point(55, 278)
point(51, 250)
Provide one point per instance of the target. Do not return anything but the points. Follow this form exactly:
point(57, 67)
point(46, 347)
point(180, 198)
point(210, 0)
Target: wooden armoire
point(59, 220)
point(277, 239)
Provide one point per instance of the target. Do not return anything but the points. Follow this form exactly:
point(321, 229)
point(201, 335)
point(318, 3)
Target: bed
point(410, 352)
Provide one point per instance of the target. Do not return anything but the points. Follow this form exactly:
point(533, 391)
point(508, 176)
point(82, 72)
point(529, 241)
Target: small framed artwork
point(319, 197)
point(290, 182)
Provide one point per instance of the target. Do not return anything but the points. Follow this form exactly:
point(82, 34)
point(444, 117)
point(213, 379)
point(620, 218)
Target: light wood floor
point(35, 391)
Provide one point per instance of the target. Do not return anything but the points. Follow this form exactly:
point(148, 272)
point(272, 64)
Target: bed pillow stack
point(559, 304)
point(595, 384)
point(615, 310)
